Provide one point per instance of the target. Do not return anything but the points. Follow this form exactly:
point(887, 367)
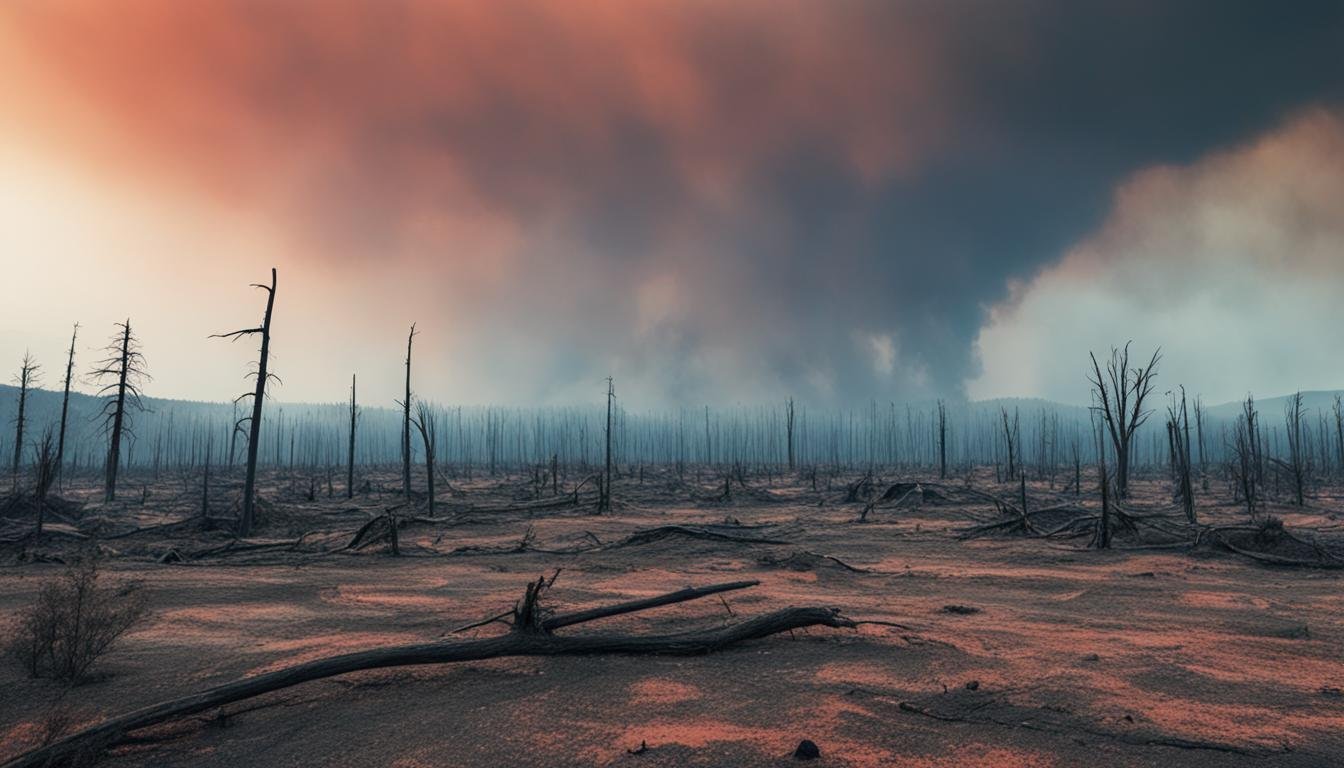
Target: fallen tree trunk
point(515, 643)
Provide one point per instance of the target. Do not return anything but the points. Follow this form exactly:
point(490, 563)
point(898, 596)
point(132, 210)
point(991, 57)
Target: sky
point(838, 201)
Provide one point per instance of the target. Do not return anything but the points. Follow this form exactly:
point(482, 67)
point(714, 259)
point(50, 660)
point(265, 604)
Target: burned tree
point(942, 440)
point(1010, 434)
point(425, 425)
point(1296, 467)
point(1121, 392)
point(406, 422)
point(65, 403)
point(1243, 464)
point(350, 456)
point(124, 371)
point(248, 514)
point(1178, 431)
point(604, 499)
point(1339, 431)
point(788, 429)
point(25, 380)
point(46, 466)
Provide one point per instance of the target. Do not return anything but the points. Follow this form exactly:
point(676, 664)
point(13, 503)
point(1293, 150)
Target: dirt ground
point(1014, 651)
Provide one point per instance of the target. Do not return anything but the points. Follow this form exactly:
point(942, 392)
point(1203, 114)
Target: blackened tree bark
point(124, 370)
point(248, 516)
point(1121, 392)
point(65, 405)
point(350, 456)
point(25, 380)
point(406, 422)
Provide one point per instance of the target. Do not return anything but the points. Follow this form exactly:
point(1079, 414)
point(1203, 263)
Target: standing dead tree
point(1297, 470)
point(350, 456)
point(1242, 467)
point(604, 499)
point(406, 422)
point(788, 429)
point(1199, 435)
point(1010, 435)
point(1121, 392)
point(247, 517)
point(1178, 428)
point(428, 429)
point(124, 371)
point(65, 403)
point(1339, 432)
point(1103, 537)
point(25, 380)
point(942, 440)
point(46, 466)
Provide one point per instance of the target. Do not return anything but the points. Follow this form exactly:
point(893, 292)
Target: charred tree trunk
point(604, 500)
point(124, 366)
point(65, 405)
point(25, 380)
point(406, 422)
point(942, 440)
point(425, 424)
point(248, 515)
point(350, 455)
point(788, 426)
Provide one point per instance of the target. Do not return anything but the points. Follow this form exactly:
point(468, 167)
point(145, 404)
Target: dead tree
point(25, 380)
point(942, 440)
point(1010, 433)
point(1242, 466)
point(425, 424)
point(1292, 416)
point(1102, 540)
point(248, 514)
point(1122, 391)
point(604, 499)
point(124, 371)
point(1178, 430)
point(1339, 432)
point(65, 403)
point(47, 467)
point(788, 428)
point(406, 422)
point(350, 456)
point(1199, 434)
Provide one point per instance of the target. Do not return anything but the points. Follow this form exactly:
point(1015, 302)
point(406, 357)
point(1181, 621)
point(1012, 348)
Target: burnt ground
point(1014, 651)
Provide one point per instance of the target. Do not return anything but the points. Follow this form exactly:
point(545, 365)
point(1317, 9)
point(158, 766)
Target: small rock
point(1091, 657)
point(960, 610)
point(974, 685)
point(807, 750)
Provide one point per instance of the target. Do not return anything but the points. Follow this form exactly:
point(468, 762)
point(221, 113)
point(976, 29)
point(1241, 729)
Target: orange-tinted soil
point(1074, 657)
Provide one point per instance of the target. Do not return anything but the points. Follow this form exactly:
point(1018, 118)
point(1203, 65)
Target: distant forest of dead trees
point(1129, 429)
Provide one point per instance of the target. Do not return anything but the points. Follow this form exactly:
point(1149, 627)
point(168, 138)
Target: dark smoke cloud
point(712, 200)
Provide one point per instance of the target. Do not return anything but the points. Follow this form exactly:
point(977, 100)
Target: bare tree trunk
point(406, 422)
point(604, 500)
point(118, 416)
point(248, 515)
point(350, 456)
point(65, 406)
point(26, 379)
point(424, 422)
point(942, 440)
point(788, 421)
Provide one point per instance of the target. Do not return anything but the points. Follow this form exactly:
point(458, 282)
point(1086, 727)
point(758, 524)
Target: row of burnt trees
point(119, 377)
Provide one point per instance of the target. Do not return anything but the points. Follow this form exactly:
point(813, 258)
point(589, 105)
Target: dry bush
point(73, 622)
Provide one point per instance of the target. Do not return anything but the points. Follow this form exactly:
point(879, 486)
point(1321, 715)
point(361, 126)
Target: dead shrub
point(73, 622)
